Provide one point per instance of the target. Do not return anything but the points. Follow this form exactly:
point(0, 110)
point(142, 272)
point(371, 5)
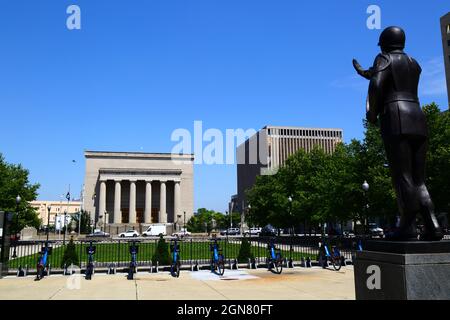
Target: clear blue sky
point(137, 70)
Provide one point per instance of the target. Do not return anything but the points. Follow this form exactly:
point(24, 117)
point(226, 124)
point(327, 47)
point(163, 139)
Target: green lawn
point(115, 252)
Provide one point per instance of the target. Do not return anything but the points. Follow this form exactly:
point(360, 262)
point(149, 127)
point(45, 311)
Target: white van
point(155, 230)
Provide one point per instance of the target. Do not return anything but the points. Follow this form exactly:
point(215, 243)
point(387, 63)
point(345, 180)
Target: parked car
point(349, 234)
point(98, 234)
point(231, 232)
point(253, 232)
point(129, 234)
point(375, 230)
point(155, 230)
point(182, 233)
point(268, 231)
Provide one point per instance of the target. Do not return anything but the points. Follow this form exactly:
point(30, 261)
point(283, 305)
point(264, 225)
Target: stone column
point(176, 205)
point(117, 198)
point(102, 200)
point(132, 207)
point(162, 203)
point(148, 202)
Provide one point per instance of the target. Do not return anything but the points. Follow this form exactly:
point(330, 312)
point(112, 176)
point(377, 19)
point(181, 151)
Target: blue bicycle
point(275, 260)
point(217, 259)
point(42, 265)
point(90, 266)
point(334, 257)
point(176, 264)
point(133, 263)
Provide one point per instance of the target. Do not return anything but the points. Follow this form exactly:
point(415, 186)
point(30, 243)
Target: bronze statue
point(393, 98)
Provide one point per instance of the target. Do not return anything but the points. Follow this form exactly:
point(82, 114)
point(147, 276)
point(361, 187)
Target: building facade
point(269, 148)
point(57, 209)
point(134, 188)
point(445, 30)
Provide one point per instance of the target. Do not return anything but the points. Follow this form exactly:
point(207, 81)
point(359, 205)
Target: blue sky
point(137, 70)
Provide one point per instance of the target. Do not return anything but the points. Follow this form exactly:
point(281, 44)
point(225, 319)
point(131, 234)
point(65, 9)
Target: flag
point(68, 196)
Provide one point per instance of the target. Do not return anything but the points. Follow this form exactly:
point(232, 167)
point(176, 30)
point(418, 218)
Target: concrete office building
point(269, 148)
point(445, 30)
point(136, 189)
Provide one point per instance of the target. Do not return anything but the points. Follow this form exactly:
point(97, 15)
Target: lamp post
point(49, 208)
point(18, 199)
point(243, 223)
point(65, 228)
point(365, 187)
point(290, 211)
point(184, 221)
point(56, 221)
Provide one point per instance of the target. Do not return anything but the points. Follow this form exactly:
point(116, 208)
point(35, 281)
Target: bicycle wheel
point(278, 265)
point(89, 272)
point(220, 266)
point(40, 272)
point(337, 263)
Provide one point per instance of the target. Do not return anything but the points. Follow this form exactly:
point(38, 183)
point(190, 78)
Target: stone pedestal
point(387, 270)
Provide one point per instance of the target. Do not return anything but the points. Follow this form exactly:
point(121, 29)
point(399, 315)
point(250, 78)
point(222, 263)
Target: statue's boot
point(406, 231)
point(433, 231)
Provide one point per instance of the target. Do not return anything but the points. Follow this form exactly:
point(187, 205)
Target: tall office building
point(445, 30)
point(269, 148)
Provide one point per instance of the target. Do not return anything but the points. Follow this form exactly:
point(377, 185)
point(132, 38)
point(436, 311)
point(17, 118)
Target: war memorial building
point(133, 189)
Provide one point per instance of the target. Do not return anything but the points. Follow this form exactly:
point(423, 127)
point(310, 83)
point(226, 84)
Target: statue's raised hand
point(363, 73)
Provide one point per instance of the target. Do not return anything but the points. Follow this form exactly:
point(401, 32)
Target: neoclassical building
point(134, 188)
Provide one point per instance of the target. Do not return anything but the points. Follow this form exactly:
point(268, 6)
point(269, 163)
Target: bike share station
point(217, 267)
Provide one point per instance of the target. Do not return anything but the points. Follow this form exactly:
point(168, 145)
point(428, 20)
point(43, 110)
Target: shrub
point(70, 255)
point(162, 253)
point(245, 251)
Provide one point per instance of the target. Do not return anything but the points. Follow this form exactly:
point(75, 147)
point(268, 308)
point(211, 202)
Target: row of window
point(307, 132)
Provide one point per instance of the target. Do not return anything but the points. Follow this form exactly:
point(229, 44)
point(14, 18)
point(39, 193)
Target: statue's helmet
point(392, 38)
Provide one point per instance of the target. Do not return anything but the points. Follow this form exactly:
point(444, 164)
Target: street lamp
point(184, 222)
point(290, 211)
point(18, 199)
point(365, 187)
point(48, 221)
point(65, 228)
point(245, 218)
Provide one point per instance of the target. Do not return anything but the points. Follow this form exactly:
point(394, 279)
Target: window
point(448, 29)
point(448, 43)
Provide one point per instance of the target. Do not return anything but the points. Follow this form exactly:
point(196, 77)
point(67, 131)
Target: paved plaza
point(293, 284)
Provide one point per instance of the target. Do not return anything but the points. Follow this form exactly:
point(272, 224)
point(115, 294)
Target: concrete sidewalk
point(293, 284)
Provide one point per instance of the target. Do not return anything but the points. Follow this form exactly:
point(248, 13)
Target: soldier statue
point(393, 98)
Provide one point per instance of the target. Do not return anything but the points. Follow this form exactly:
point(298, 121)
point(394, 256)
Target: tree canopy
point(14, 182)
point(206, 220)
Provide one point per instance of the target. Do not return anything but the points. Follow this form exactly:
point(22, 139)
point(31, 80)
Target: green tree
point(70, 255)
point(85, 223)
point(438, 160)
point(162, 253)
point(14, 181)
point(245, 251)
point(205, 220)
